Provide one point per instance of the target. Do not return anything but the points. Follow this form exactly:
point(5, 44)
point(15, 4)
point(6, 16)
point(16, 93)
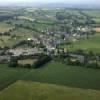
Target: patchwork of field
point(93, 13)
point(16, 35)
point(27, 90)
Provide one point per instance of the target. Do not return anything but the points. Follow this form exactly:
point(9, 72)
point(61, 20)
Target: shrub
point(27, 66)
point(41, 61)
point(92, 65)
point(13, 63)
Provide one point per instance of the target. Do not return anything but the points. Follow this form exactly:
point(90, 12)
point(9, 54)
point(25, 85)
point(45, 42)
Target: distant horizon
point(56, 3)
point(89, 2)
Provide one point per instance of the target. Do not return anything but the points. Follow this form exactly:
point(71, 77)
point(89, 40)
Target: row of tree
point(89, 60)
point(41, 60)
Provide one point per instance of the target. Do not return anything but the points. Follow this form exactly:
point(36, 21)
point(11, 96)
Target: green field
point(8, 40)
point(55, 73)
point(27, 90)
point(41, 26)
point(4, 27)
point(95, 14)
point(23, 33)
point(16, 35)
point(91, 44)
point(92, 13)
point(9, 75)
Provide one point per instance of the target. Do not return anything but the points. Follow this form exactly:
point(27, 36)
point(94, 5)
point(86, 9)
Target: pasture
point(54, 73)
point(27, 90)
point(7, 41)
point(9, 75)
point(4, 27)
point(23, 33)
point(91, 44)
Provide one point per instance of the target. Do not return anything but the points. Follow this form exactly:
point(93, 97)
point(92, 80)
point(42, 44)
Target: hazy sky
point(61, 1)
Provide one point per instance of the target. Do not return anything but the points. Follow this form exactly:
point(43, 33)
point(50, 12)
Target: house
point(25, 52)
point(75, 57)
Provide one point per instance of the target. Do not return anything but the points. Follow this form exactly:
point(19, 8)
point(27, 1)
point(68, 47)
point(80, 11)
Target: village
point(49, 44)
point(24, 37)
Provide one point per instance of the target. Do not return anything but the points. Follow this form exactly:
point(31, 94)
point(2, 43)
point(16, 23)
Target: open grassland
point(58, 73)
point(27, 90)
point(4, 27)
point(55, 73)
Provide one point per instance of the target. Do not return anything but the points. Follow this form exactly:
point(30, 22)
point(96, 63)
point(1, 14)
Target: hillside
point(53, 73)
point(22, 90)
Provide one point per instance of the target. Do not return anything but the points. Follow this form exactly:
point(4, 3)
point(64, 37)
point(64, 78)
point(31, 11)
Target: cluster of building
point(50, 41)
